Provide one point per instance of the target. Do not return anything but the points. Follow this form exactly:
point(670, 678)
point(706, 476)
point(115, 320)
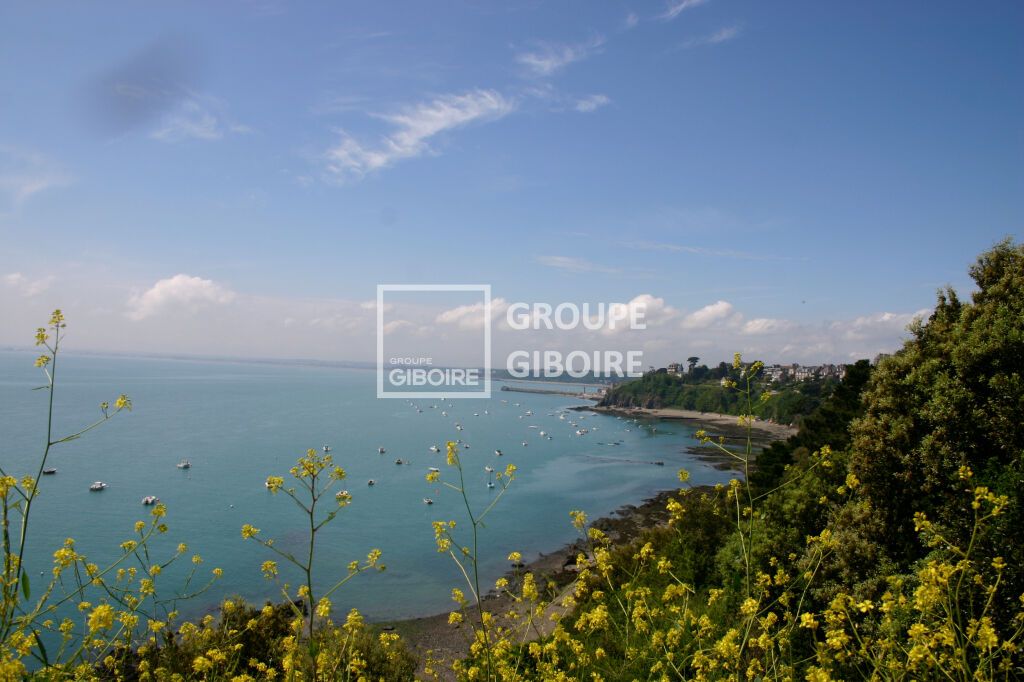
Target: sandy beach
point(713, 422)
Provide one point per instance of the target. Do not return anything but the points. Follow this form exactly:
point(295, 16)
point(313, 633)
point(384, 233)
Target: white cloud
point(471, 316)
point(716, 312)
point(25, 286)
point(720, 36)
point(647, 309)
point(766, 325)
point(198, 117)
point(867, 327)
point(372, 305)
point(592, 103)
point(677, 7)
point(25, 174)
point(572, 264)
point(632, 20)
point(397, 325)
point(181, 292)
point(549, 58)
point(413, 128)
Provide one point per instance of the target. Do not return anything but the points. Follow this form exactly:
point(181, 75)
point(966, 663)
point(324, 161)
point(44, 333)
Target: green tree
point(946, 406)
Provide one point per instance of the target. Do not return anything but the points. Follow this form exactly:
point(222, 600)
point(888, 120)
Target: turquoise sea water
point(240, 422)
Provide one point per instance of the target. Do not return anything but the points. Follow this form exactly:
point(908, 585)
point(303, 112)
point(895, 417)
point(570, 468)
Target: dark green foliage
point(701, 390)
point(952, 397)
point(828, 425)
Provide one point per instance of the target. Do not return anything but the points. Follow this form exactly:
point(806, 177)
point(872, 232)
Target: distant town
point(775, 373)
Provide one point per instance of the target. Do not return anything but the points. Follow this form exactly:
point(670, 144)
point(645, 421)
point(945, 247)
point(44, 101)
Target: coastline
point(716, 423)
point(434, 634)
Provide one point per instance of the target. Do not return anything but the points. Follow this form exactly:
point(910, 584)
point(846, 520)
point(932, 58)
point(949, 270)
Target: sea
point(238, 422)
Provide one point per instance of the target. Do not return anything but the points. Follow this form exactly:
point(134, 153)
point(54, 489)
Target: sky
point(791, 180)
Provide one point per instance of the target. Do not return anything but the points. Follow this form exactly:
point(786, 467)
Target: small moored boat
point(184, 464)
point(97, 486)
point(49, 472)
point(427, 500)
point(150, 500)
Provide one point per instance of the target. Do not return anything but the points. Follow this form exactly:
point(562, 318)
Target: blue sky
point(809, 165)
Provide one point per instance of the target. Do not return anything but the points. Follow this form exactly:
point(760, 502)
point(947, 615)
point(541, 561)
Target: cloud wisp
point(548, 59)
point(591, 103)
point(722, 35)
point(25, 174)
point(575, 265)
point(702, 251)
point(677, 7)
point(412, 130)
point(26, 286)
point(197, 117)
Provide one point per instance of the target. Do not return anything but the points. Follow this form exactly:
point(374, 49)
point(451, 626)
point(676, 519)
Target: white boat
point(465, 446)
point(327, 448)
point(97, 486)
point(49, 472)
point(399, 461)
point(427, 500)
point(444, 413)
point(381, 451)
point(490, 484)
point(371, 482)
point(149, 500)
point(498, 453)
point(434, 448)
point(524, 443)
point(184, 464)
point(543, 433)
point(434, 469)
point(489, 469)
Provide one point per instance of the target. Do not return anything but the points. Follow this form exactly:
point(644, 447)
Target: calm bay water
point(240, 422)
